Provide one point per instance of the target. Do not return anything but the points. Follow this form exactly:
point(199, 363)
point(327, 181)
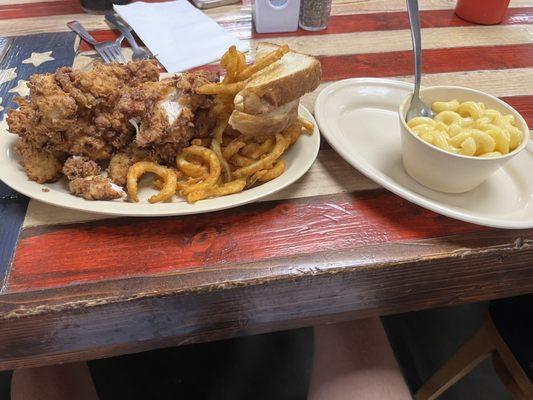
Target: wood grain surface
point(331, 247)
point(133, 247)
point(13, 73)
point(117, 317)
point(351, 23)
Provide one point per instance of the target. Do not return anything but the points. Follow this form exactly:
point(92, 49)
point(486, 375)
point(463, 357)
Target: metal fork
point(138, 53)
point(109, 51)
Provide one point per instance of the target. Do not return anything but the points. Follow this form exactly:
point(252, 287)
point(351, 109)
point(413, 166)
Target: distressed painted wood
point(235, 17)
point(117, 317)
point(353, 23)
point(434, 60)
point(386, 41)
point(296, 227)
point(371, 6)
point(524, 105)
point(333, 246)
point(14, 71)
point(363, 42)
point(39, 9)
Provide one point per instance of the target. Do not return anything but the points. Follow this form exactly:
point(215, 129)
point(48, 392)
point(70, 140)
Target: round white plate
point(298, 160)
point(359, 118)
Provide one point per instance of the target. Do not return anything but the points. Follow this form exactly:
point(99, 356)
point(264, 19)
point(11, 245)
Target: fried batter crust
point(40, 166)
point(76, 111)
point(88, 114)
point(80, 167)
point(157, 132)
point(95, 188)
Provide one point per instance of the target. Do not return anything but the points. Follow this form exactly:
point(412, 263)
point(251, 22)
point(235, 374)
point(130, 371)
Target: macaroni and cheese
point(468, 128)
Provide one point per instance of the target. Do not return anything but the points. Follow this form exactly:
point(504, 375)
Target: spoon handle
point(414, 21)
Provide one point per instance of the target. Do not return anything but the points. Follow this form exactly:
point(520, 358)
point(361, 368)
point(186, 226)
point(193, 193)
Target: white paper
point(178, 35)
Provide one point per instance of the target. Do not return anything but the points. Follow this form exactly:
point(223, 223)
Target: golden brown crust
point(118, 167)
point(80, 167)
point(267, 96)
point(95, 188)
point(123, 160)
point(87, 114)
point(40, 166)
point(76, 112)
point(158, 131)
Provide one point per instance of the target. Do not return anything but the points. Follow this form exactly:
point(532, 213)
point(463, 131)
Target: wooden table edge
point(54, 325)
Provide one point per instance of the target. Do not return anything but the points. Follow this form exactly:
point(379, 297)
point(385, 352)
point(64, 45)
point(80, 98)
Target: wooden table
point(333, 246)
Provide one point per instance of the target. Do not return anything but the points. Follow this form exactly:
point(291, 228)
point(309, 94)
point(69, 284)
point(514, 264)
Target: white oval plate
point(359, 118)
point(298, 160)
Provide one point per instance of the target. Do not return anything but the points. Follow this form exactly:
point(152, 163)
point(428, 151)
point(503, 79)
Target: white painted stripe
point(54, 23)
point(345, 43)
point(400, 40)
point(334, 44)
point(374, 6)
point(501, 83)
point(316, 182)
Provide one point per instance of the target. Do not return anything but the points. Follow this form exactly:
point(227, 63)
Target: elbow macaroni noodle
point(468, 128)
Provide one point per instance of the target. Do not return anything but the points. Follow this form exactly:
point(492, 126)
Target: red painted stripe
point(522, 104)
point(398, 63)
point(40, 9)
point(45, 9)
point(106, 35)
point(133, 247)
point(399, 20)
point(102, 36)
point(362, 23)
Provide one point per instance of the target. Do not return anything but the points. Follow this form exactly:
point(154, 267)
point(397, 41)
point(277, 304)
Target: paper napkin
point(178, 35)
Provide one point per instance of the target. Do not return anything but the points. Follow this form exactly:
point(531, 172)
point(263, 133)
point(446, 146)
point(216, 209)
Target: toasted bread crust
point(268, 96)
point(250, 124)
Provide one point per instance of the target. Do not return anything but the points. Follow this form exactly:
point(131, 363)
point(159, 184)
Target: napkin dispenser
point(276, 15)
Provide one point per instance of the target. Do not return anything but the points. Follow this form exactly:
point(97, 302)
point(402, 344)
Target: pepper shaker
point(314, 14)
point(275, 15)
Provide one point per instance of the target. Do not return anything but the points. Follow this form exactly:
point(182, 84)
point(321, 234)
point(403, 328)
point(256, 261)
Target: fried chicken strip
point(76, 112)
point(41, 166)
point(96, 188)
point(80, 167)
point(164, 113)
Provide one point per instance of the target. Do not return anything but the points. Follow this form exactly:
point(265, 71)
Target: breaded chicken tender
point(80, 167)
point(76, 112)
point(164, 113)
point(96, 188)
point(41, 166)
point(121, 113)
point(123, 160)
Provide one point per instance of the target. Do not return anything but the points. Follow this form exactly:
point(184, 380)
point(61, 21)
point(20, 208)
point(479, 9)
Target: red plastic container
point(484, 12)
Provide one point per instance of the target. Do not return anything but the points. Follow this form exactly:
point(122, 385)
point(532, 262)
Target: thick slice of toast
point(267, 123)
point(288, 79)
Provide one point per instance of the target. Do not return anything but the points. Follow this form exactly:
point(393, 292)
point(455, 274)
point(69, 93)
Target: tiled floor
point(276, 366)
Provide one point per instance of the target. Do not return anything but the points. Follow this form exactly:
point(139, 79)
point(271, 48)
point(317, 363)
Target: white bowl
point(448, 172)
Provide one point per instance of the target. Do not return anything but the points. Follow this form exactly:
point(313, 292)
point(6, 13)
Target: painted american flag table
point(333, 246)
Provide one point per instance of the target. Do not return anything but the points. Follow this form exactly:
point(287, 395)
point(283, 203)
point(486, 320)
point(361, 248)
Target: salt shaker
point(314, 14)
point(276, 15)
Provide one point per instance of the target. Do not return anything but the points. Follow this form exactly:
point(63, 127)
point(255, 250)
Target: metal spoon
point(417, 108)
